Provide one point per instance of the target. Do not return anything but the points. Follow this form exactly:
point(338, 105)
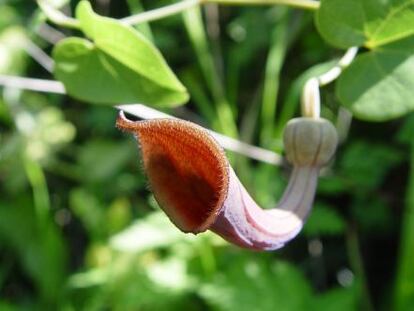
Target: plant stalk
point(301, 4)
point(404, 284)
point(38, 183)
point(274, 65)
point(162, 12)
point(355, 258)
point(184, 5)
point(56, 16)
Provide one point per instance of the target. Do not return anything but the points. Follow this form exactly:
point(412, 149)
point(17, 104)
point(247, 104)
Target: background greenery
point(79, 229)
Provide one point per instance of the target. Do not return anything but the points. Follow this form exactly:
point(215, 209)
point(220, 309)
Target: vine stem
point(311, 101)
point(57, 17)
point(302, 4)
point(38, 85)
point(357, 264)
point(188, 4)
point(42, 58)
point(161, 12)
point(336, 71)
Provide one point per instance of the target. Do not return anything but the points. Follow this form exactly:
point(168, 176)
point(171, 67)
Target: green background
point(79, 229)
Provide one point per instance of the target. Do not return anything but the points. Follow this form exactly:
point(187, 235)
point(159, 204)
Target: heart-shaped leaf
point(369, 23)
point(378, 85)
point(119, 65)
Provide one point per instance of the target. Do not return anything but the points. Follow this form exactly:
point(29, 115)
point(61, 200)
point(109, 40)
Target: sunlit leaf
point(118, 65)
point(378, 85)
point(261, 285)
point(41, 249)
point(152, 232)
point(371, 23)
point(8, 16)
point(338, 299)
point(12, 55)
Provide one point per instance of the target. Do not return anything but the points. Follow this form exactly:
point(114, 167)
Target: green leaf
point(12, 55)
point(338, 299)
point(8, 16)
point(5, 306)
point(154, 231)
point(363, 175)
point(341, 22)
point(118, 66)
point(253, 283)
point(369, 23)
point(103, 159)
point(373, 215)
point(89, 210)
point(41, 253)
point(405, 134)
point(378, 85)
point(404, 285)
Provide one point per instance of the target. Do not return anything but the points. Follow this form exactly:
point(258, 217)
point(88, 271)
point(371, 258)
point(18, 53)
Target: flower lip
point(187, 169)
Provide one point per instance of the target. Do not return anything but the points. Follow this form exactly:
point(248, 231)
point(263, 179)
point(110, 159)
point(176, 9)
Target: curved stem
point(311, 102)
point(57, 16)
point(311, 99)
point(336, 71)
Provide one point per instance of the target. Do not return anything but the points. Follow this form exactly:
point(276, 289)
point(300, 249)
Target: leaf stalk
point(184, 5)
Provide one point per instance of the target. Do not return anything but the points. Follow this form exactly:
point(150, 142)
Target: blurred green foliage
point(79, 229)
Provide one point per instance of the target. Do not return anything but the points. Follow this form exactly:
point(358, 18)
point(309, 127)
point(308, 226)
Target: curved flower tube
point(196, 187)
